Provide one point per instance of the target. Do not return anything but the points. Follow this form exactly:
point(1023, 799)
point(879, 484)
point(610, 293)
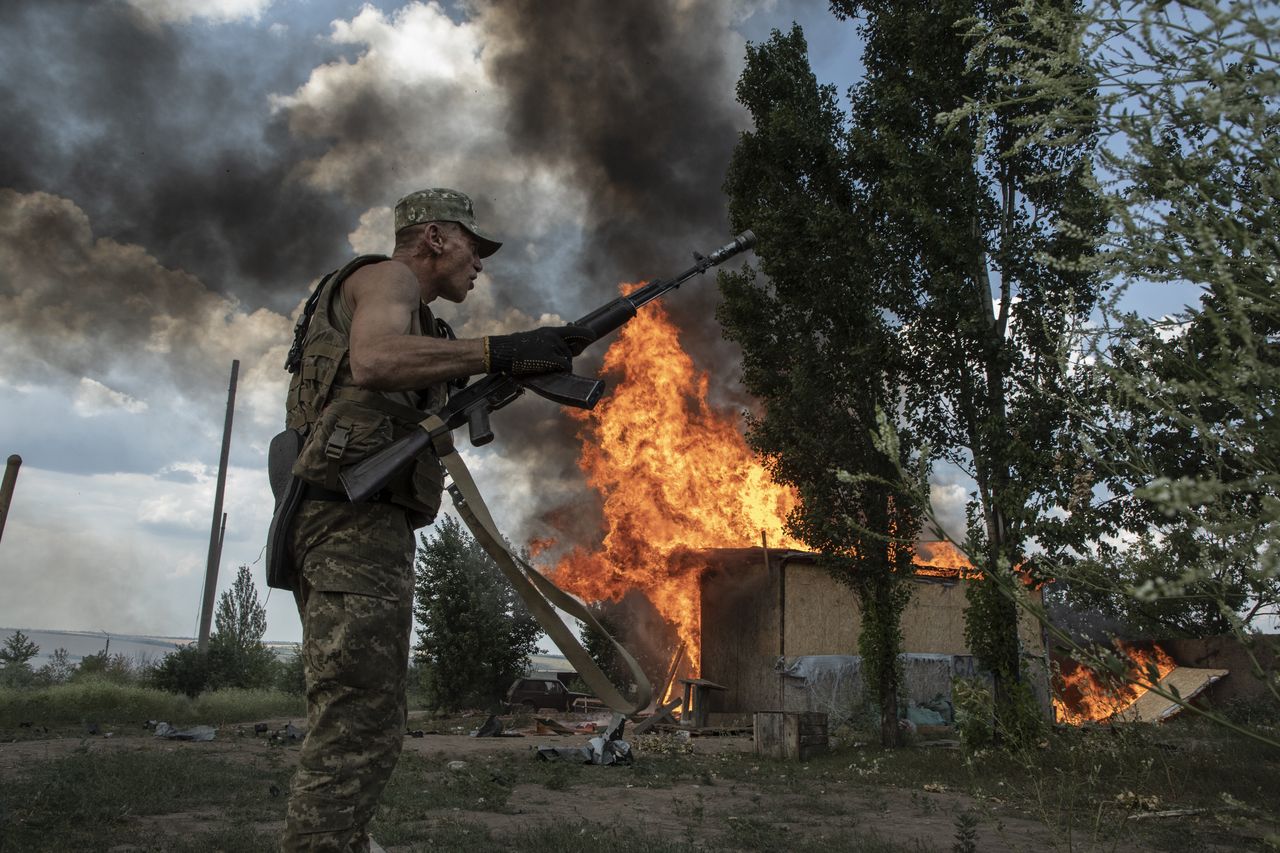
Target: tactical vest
point(343, 423)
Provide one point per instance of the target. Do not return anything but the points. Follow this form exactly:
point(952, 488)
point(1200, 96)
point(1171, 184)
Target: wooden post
point(6, 489)
point(215, 537)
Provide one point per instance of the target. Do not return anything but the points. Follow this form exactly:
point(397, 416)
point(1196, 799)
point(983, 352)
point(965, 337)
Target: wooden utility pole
point(6, 489)
point(215, 535)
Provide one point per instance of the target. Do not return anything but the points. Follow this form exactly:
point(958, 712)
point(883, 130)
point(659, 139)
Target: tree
point(961, 221)
point(183, 670)
point(15, 660)
point(475, 635)
point(291, 677)
point(602, 649)
point(237, 655)
point(1179, 450)
point(816, 352)
point(58, 669)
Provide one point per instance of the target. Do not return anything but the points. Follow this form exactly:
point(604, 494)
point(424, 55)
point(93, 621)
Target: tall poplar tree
point(962, 223)
point(817, 353)
point(911, 253)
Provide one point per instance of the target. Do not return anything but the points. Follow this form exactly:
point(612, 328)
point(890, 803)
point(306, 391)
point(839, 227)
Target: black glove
point(547, 350)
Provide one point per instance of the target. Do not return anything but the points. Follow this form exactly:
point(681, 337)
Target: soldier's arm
point(385, 354)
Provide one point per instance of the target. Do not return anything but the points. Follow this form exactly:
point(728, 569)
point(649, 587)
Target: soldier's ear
point(433, 238)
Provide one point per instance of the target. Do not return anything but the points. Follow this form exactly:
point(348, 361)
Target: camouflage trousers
point(356, 601)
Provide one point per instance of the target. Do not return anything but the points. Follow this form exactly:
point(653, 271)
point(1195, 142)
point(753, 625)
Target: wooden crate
point(789, 735)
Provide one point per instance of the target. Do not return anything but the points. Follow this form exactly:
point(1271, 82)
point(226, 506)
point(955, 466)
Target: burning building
point(780, 631)
point(681, 498)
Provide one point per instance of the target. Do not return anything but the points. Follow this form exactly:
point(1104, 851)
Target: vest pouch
point(346, 433)
point(420, 491)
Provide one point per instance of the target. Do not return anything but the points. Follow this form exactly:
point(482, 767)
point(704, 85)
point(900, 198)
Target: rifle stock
point(473, 404)
point(365, 478)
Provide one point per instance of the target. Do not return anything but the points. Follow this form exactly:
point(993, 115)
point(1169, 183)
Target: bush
point(116, 668)
point(238, 705)
point(87, 700)
point(975, 713)
point(290, 676)
point(225, 665)
point(184, 670)
point(100, 701)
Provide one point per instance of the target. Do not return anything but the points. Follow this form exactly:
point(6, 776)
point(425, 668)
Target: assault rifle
point(473, 404)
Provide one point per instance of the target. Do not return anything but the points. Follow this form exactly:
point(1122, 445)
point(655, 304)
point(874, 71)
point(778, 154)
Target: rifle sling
point(539, 593)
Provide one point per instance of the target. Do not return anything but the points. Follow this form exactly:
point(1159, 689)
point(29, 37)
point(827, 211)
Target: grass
point(1079, 790)
point(91, 800)
point(110, 703)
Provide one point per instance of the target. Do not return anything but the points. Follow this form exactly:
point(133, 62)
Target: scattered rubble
point(606, 749)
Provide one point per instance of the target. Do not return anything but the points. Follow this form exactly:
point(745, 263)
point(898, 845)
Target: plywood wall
point(822, 616)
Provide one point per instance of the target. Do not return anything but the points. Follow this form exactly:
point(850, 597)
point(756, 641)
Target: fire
point(1084, 695)
point(674, 474)
point(942, 559)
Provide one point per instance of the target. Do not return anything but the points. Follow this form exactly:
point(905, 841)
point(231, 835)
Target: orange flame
point(942, 559)
point(674, 474)
point(1084, 695)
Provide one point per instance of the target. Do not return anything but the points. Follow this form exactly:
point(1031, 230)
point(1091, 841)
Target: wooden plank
point(660, 716)
point(1188, 681)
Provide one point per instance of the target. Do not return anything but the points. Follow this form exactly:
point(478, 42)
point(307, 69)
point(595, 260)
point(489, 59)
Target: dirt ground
point(701, 812)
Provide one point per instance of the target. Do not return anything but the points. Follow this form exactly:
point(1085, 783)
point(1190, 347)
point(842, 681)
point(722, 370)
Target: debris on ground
point(195, 733)
point(608, 748)
point(492, 727)
point(548, 726)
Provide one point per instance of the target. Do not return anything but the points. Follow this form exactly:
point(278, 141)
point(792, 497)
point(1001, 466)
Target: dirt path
point(706, 814)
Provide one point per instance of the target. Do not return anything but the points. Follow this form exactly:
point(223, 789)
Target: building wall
point(753, 615)
point(822, 616)
point(740, 631)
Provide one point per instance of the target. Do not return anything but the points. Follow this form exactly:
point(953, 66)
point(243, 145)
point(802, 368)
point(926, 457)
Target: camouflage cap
point(443, 205)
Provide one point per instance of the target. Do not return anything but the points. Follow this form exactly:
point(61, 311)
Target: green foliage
point(240, 618)
point(966, 834)
point(57, 670)
point(291, 674)
point(817, 352)
point(236, 656)
point(240, 705)
point(184, 670)
point(1176, 452)
point(107, 702)
point(975, 713)
point(475, 635)
point(910, 316)
point(104, 666)
point(18, 650)
point(15, 660)
point(602, 651)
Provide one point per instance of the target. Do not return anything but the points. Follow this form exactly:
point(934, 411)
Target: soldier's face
point(459, 264)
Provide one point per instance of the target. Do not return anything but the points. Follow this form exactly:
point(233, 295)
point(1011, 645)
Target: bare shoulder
point(386, 283)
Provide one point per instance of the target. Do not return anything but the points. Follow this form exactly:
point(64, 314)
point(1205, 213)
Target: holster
point(288, 490)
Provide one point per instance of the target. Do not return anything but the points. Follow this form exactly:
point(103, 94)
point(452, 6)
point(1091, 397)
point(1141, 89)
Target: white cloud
point(374, 236)
point(418, 108)
point(92, 398)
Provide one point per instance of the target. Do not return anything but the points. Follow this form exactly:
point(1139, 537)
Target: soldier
point(373, 361)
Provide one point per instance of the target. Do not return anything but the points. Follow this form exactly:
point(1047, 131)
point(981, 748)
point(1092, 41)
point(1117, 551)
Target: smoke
point(175, 188)
point(163, 140)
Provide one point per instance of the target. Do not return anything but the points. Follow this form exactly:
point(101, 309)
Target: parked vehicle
point(533, 693)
